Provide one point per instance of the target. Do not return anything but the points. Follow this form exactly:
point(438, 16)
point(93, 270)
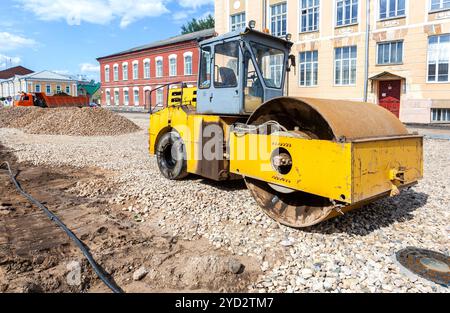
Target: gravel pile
point(352, 253)
point(66, 121)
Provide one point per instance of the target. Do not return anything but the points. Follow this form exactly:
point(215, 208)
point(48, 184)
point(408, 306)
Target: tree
point(196, 25)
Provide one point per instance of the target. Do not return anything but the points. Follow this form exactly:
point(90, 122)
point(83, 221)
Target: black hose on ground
point(99, 271)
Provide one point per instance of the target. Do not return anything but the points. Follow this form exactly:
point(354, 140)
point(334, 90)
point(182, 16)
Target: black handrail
point(168, 89)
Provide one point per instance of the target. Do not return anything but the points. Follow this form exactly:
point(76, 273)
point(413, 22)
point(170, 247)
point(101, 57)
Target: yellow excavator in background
point(304, 160)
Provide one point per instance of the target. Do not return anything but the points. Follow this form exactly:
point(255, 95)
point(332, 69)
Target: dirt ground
point(37, 256)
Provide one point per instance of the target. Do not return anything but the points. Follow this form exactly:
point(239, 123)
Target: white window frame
point(160, 97)
point(388, 9)
point(147, 74)
point(48, 90)
point(441, 6)
point(108, 97)
point(190, 56)
point(136, 70)
point(136, 103)
point(116, 72)
point(68, 89)
point(315, 8)
point(351, 61)
point(36, 88)
point(107, 73)
point(390, 51)
point(436, 80)
point(278, 17)
point(173, 68)
point(240, 24)
point(352, 19)
point(314, 79)
point(58, 88)
point(159, 70)
point(126, 97)
point(125, 71)
point(116, 97)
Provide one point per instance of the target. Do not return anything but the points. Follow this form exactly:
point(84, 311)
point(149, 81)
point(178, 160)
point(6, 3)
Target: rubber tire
point(172, 165)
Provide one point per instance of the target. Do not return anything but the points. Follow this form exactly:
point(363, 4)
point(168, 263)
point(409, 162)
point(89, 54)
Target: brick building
point(128, 77)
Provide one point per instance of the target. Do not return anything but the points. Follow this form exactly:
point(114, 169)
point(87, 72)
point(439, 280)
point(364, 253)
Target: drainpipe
point(366, 66)
point(264, 26)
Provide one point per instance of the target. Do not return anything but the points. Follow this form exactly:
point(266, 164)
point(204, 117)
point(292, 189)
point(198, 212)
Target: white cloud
point(9, 42)
point(195, 3)
point(102, 12)
point(8, 61)
point(89, 68)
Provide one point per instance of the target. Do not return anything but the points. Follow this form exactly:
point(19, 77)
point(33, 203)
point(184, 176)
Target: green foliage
point(196, 25)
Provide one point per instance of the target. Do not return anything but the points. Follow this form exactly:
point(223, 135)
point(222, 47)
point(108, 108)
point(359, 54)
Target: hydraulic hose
point(97, 269)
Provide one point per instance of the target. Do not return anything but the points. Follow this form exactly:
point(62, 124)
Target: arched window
point(125, 71)
point(107, 73)
point(108, 97)
point(146, 68)
point(188, 64)
point(173, 65)
point(159, 67)
point(116, 72)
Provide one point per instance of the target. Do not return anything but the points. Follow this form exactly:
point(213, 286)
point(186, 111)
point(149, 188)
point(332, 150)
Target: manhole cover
point(427, 264)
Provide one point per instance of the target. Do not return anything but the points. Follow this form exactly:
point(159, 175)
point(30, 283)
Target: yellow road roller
point(304, 160)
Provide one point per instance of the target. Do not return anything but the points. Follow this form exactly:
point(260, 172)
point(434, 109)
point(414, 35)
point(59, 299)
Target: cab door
point(221, 94)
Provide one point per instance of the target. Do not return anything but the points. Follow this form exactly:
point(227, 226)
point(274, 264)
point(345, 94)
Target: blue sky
point(67, 36)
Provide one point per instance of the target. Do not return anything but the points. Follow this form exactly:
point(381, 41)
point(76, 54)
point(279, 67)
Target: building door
point(389, 95)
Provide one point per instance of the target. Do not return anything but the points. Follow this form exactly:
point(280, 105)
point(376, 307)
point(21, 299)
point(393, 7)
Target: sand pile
point(66, 121)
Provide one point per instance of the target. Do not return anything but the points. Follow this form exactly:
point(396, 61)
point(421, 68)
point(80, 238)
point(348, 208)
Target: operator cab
point(241, 70)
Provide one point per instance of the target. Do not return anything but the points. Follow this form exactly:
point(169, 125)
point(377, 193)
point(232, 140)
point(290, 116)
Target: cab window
point(271, 62)
point(253, 89)
point(205, 68)
point(226, 58)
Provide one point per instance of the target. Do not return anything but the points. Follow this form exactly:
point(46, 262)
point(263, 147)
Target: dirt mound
point(66, 121)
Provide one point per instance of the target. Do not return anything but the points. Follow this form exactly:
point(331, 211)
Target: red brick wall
point(153, 82)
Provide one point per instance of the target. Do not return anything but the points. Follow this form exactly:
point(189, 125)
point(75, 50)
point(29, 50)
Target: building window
point(309, 68)
point(392, 8)
point(278, 19)
point(237, 22)
point(438, 58)
point(345, 66)
point(125, 71)
point(136, 97)
point(160, 97)
point(147, 69)
point(159, 68)
point(390, 53)
point(135, 70)
point(173, 66)
point(440, 5)
point(48, 90)
point(126, 97)
point(116, 72)
point(107, 74)
point(309, 19)
point(108, 97)
point(68, 90)
point(188, 65)
point(38, 88)
point(347, 12)
point(440, 115)
point(116, 97)
point(58, 89)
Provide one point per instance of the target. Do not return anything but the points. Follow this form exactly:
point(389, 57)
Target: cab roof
point(247, 32)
